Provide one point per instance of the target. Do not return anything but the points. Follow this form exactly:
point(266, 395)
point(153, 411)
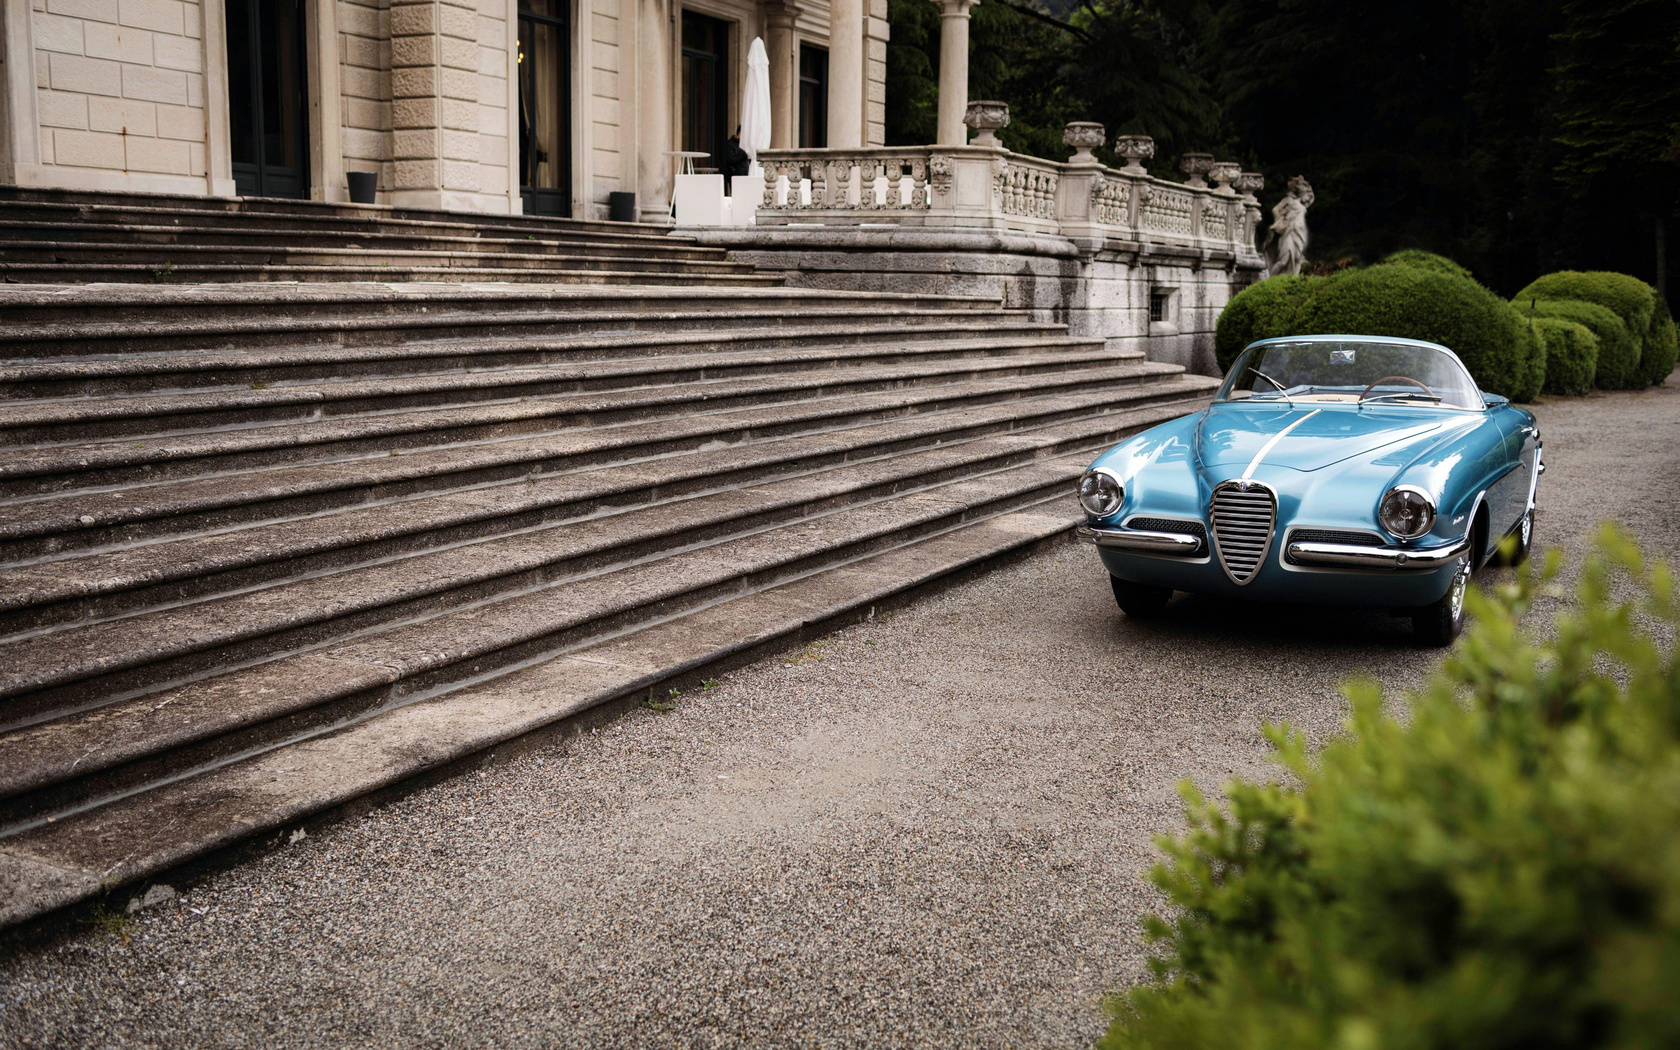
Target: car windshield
point(1327, 370)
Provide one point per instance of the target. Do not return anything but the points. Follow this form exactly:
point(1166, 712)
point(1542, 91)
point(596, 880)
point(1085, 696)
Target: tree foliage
point(1498, 869)
point(1516, 136)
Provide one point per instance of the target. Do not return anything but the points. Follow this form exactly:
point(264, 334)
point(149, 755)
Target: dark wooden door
point(545, 106)
point(268, 97)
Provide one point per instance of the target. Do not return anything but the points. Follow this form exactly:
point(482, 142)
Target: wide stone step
point(82, 854)
point(258, 704)
point(466, 268)
point(795, 348)
point(22, 254)
point(131, 318)
point(17, 235)
point(91, 519)
point(27, 202)
point(116, 581)
point(24, 423)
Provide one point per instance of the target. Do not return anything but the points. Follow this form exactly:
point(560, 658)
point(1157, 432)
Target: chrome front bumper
point(1139, 540)
point(1343, 555)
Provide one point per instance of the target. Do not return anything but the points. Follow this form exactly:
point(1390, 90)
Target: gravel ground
point(929, 830)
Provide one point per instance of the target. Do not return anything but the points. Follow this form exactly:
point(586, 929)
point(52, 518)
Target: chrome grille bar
point(1243, 515)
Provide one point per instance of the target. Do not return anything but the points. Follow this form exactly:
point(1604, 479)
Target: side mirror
point(1494, 400)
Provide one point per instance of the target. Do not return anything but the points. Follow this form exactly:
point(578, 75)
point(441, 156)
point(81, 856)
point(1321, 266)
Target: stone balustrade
point(989, 187)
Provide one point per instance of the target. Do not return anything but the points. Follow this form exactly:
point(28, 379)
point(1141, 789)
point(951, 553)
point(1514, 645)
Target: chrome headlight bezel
point(1406, 493)
point(1101, 492)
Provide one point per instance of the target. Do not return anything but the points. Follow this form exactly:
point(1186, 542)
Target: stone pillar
point(783, 47)
point(434, 104)
point(845, 74)
point(655, 132)
point(953, 71)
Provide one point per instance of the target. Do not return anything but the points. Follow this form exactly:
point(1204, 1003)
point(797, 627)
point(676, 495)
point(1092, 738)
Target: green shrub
point(1480, 327)
point(1571, 355)
point(1260, 311)
point(1395, 300)
point(1662, 347)
point(1618, 360)
point(1499, 868)
point(1629, 298)
point(1423, 260)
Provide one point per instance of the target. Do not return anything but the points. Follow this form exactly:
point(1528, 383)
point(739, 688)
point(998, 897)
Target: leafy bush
point(1423, 260)
point(1662, 346)
point(1395, 300)
point(1480, 327)
point(1638, 305)
point(1618, 360)
point(1499, 869)
point(1627, 297)
point(1260, 311)
point(1571, 355)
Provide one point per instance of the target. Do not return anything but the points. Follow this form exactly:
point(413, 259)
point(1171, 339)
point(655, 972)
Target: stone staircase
point(267, 549)
point(68, 236)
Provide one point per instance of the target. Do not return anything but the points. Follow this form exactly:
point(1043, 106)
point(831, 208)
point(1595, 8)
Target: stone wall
point(1106, 294)
point(121, 94)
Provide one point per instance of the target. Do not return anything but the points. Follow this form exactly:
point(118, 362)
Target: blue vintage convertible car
point(1337, 469)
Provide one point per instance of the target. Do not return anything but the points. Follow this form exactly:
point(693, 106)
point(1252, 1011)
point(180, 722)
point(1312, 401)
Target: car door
point(1508, 498)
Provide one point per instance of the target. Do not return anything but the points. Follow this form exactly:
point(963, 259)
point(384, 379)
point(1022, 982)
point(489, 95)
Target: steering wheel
point(1389, 379)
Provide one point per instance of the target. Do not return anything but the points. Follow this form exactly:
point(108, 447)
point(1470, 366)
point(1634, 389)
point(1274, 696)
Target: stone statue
point(1286, 241)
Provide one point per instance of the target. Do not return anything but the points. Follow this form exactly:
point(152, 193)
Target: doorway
point(545, 106)
point(268, 98)
point(705, 87)
point(813, 97)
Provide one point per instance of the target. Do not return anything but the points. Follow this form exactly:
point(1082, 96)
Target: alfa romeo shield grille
point(1243, 516)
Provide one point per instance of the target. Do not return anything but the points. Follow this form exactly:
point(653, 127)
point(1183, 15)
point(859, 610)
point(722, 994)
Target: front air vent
point(1243, 514)
point(1177, 526)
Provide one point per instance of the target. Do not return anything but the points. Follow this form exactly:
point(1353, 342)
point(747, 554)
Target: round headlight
point(1100, 493)
point(1407, 512)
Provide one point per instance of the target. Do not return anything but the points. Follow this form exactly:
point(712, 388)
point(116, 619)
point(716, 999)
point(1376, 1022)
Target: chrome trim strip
point(1346, 554)
point(1139, 540)
point(1268, 446)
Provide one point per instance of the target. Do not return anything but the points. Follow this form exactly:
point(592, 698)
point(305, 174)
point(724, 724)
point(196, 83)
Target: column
point(953, 70)
point(434, 104)
point(845, 73)
point(783, 47)
point(654, 130)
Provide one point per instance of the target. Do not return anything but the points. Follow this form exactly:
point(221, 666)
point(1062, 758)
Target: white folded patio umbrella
point(755, 107)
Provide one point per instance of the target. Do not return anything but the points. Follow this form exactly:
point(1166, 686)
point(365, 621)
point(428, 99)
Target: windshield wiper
point(1280, 387)
point(1414, 396)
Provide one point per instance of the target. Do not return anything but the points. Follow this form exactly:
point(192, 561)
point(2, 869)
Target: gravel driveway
point(929, 830)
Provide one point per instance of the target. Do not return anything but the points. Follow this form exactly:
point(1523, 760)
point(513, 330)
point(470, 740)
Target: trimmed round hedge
point(1394, 300)
point(1618, 360)
point(1571, 355)
point(1629, 298)
point(1422, 260)
point(1635, 303)
point(1662, 346)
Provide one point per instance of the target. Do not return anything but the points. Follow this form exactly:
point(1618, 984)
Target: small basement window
point(1158, 302)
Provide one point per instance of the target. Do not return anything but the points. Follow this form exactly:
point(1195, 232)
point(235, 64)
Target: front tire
point(1139, 600)
point(1525, 540)
point(1435, 626)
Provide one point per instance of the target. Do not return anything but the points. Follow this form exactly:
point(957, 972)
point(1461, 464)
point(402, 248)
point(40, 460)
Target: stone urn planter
point(1249, 183)
point(1084, 136)
point(1136, 149)
point(986, 116)
point(1224, 173)
point(1195, 165)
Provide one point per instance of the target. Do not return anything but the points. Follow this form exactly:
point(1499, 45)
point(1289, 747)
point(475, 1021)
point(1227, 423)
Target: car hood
point(1233, 436)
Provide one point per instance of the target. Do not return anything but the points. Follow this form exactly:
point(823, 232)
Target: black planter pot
point(364, 186)
point(621, 206)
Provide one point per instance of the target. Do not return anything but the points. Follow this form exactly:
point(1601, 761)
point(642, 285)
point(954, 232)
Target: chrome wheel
point(1455, 597)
